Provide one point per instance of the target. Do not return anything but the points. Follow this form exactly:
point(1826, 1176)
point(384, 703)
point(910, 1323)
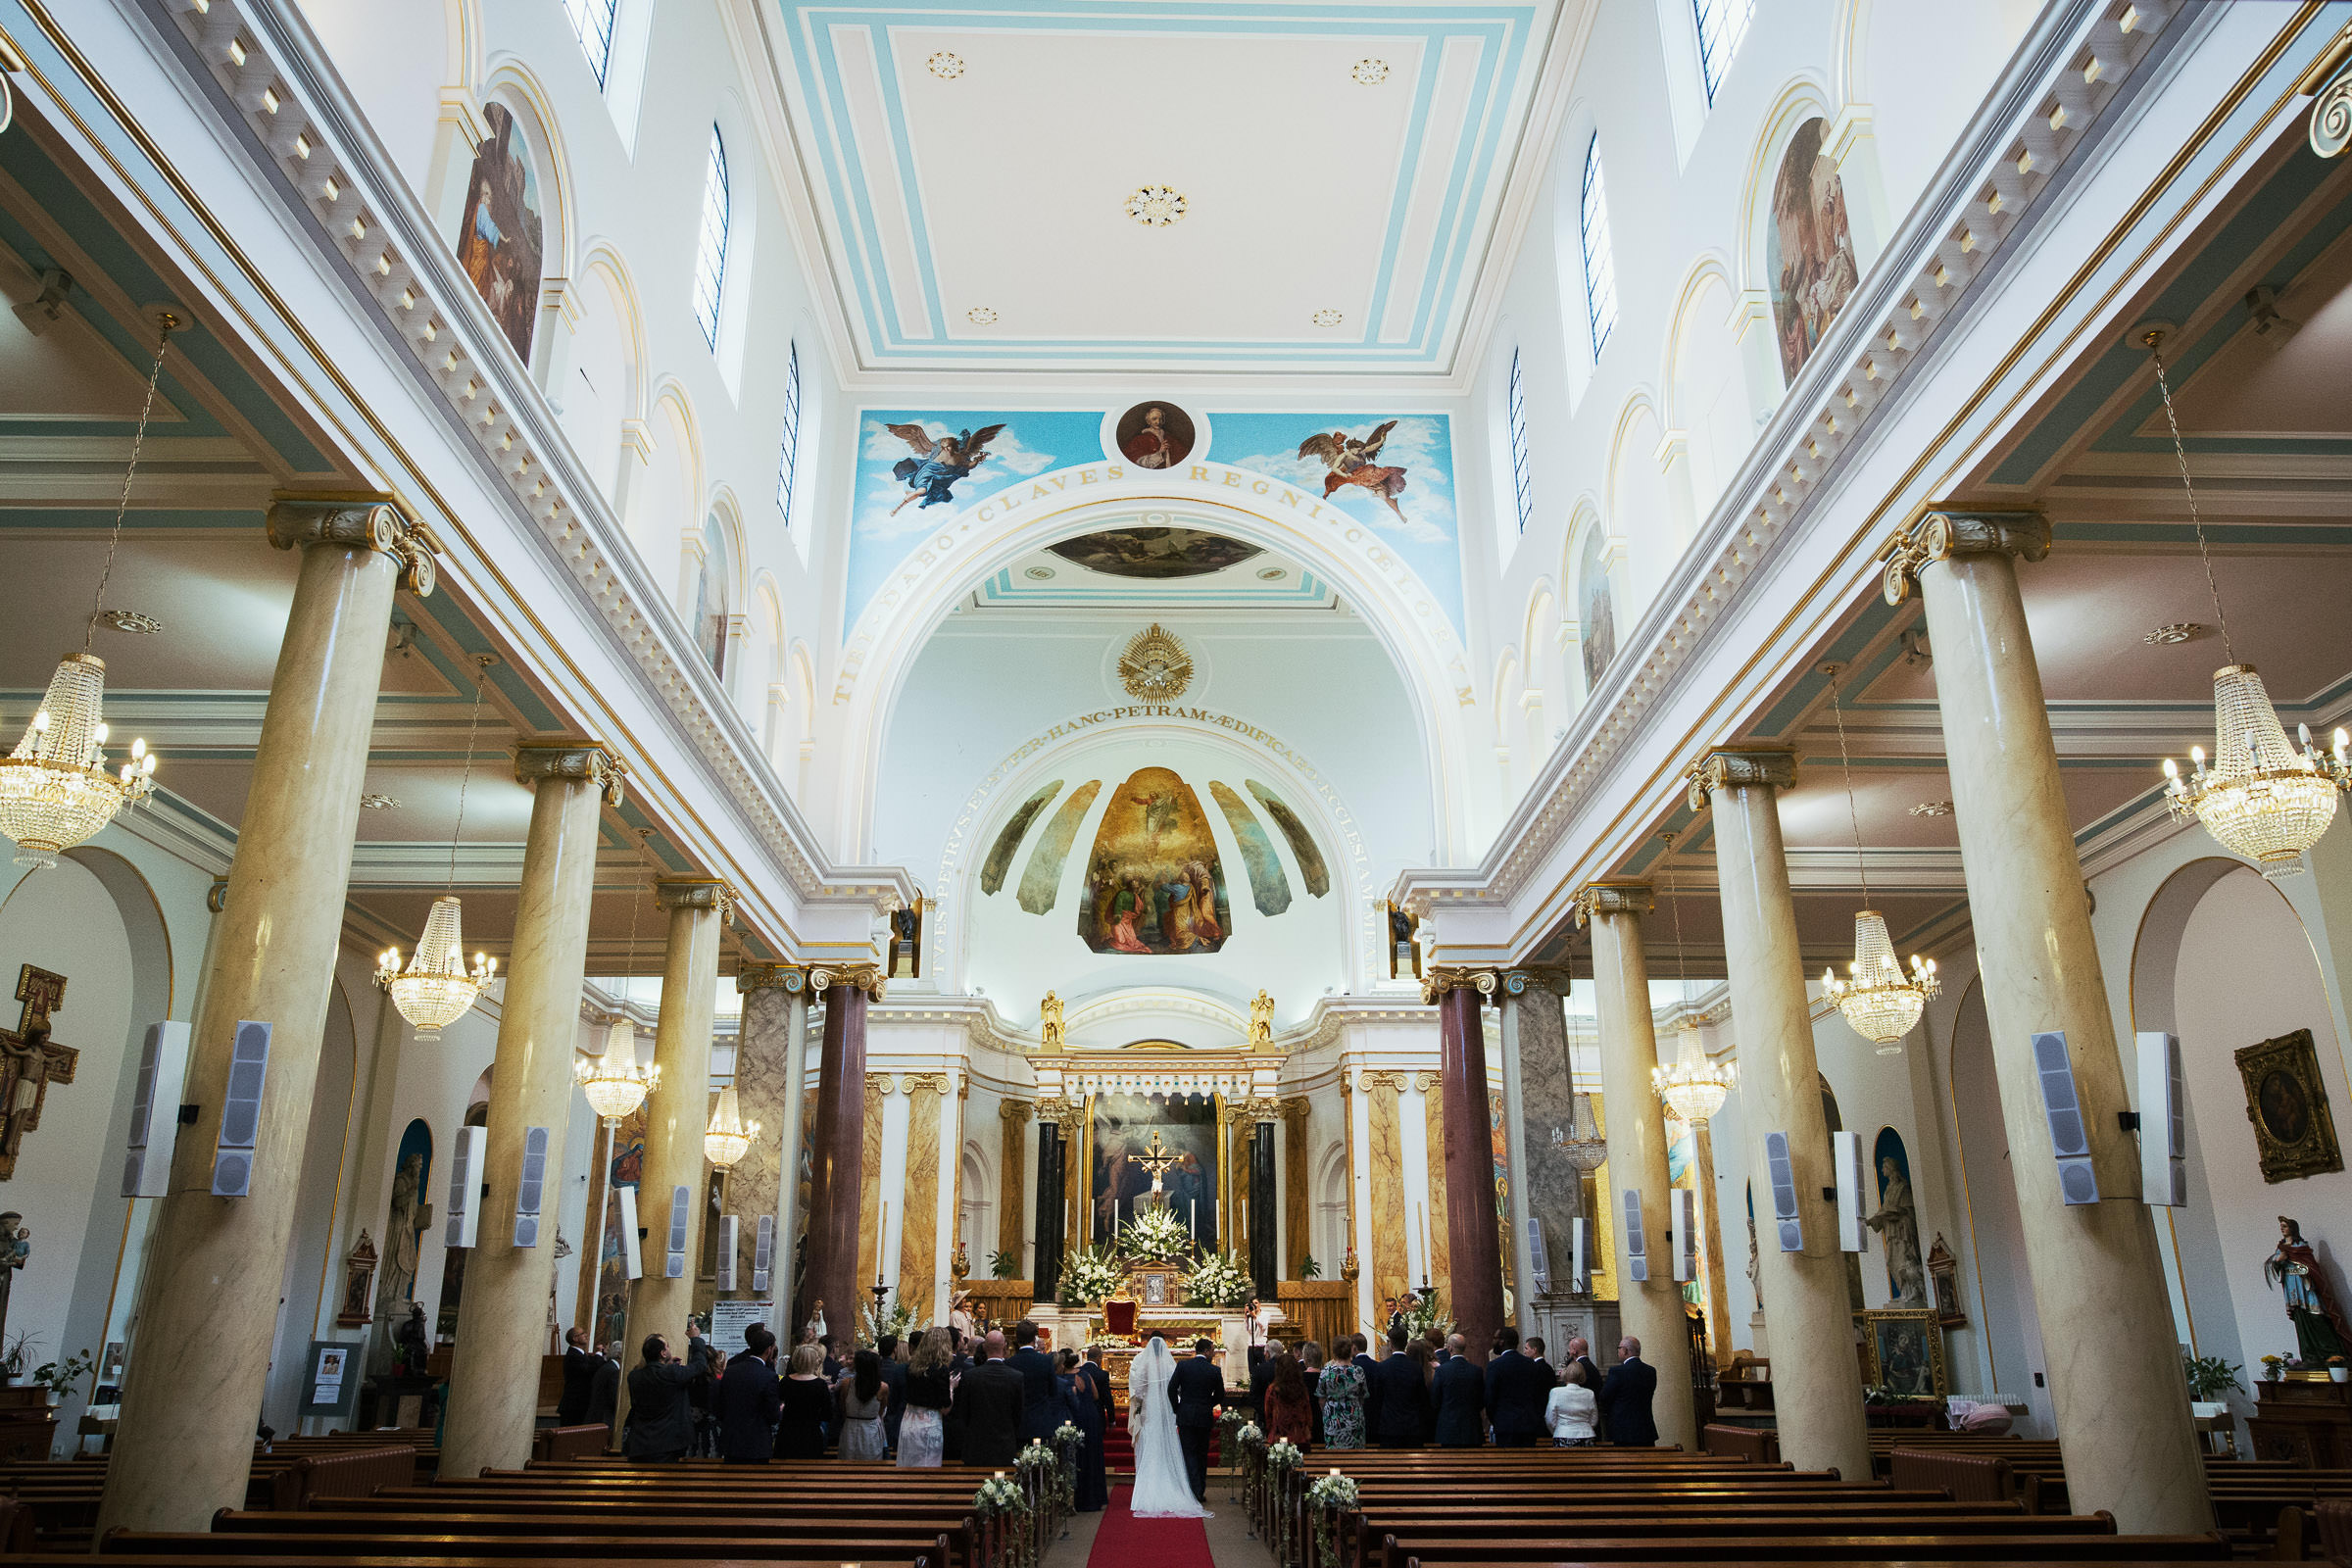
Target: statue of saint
point(1261, 1020)
point(414, 1342)
point(1898, 1225)
point(2294, 1268)
point(1049, 1022)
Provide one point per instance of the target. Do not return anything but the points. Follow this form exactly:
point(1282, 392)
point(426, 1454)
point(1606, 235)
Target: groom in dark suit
point(1194, 1390)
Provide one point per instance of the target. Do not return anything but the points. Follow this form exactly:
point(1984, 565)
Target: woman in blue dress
point(1086, 1388)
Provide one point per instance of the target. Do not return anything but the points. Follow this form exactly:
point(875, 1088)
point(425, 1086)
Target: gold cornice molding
point(786, 977)
point(1596, 898)
point(696, 893)
point(1442, 978)
point(865, 977)
point(570, 761)
point(1735, 768)
point(295, 522)
point(1941, 535)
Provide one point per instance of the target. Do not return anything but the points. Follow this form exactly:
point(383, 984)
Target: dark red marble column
point(1474, 1250)
point(838, 1156)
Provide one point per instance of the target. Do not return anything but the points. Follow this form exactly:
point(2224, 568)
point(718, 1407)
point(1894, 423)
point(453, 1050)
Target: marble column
point(1544, 1186)
point(1817, 1382)
point(919, 1271)
point(207, 1301)
point(771, 1064)
point(1052, 1209)
point(1012, 1179)
point(1651, 1311)
point(678, 1110)
point(2107, 1330)
point(1265, 1200)
point(1473, 1250)
point(1384, 1151)
point(1298, 1194)
point(879, 1087)
point(838, 1148)
point(501, 1323)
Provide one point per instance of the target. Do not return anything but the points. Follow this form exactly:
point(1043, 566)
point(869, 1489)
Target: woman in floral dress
point(1341, 1389)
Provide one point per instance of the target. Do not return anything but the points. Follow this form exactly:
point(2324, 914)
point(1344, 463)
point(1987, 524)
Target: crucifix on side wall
point(30, 1061)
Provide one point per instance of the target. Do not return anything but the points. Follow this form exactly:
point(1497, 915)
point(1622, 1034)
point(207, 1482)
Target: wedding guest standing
point(1089, 1411)
point(808, 1400)
point(1572, 1411)
point(1341, 1388)
point(1310, 1373)
point(1289, 1413)
point(922, 1428)
point(864, 1396)
point(1460, 1395)
point(747, 1399)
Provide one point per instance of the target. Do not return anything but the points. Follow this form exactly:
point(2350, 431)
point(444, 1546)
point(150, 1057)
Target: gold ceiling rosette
point(1156, 669)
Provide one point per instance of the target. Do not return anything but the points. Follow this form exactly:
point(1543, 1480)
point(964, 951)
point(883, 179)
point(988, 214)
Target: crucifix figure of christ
point(1156, 1160)
point(30, 1061)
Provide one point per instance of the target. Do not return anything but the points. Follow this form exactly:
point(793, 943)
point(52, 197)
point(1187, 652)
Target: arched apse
point(1332, 1239)
point(2219, 916)
point(976, 1206)
point(1706, 387)
point(2008, 1323)
point(603, 390)
point(1385, 597)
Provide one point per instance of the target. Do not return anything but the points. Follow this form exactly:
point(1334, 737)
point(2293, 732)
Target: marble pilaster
point(2108, 1335)
point(1816, 1380)
point(1384, 1149)
point(878, 1087)
point(1652, 1311)
point(1433, 1123)
point(919, 1271)
point(837, 1144)
point(678, 1110)
point(1013, 1178)
point(770, 1050)
point(501, 1321)
point(1296, 1196)
point(208, 1305)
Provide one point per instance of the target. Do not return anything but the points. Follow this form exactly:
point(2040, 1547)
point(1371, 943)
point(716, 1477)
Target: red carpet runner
point(1125, 1542)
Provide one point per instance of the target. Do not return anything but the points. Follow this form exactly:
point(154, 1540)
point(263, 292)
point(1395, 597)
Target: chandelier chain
point(2164, 387)
point(138, 439)
point(1845, 767)
point(474, 725)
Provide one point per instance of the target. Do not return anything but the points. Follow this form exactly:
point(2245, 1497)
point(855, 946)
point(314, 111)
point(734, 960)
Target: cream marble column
point(1817, 1381)
point(1514, 1146)
point(678, 1110)
point(502, 1324)
point(208, 1302)
point(770, 1068)
point(2107, 1329)
point(1651, 1313)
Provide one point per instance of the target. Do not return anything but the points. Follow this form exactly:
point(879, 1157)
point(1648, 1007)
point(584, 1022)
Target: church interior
point(648, 607)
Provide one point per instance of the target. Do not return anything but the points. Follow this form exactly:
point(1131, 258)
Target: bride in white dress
point(1162, 1491)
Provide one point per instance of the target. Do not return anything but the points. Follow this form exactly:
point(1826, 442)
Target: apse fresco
point(1155, 553)
point(1269, 884)
point(1042, 876)
point(1009, 836)
point(1153, 882)
point(1295, 833)
point(501, 241)
point(1808, 248)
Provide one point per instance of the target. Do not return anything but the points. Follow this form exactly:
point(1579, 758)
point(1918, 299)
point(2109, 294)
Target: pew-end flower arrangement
point(1002, 1497)
point(1328, 1498)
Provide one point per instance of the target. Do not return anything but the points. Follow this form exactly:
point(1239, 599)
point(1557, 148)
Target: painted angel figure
point(1349, 459)
point(930, 476)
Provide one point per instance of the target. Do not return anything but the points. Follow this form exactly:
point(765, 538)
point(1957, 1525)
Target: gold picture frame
point(1902, 1349)
point(2286, 1101)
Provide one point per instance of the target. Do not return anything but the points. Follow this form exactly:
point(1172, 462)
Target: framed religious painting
point(2294, 1134)
point(1902, 1351)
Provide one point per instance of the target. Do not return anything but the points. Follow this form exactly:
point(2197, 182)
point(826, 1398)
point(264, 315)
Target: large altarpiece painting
point(1122, 1129)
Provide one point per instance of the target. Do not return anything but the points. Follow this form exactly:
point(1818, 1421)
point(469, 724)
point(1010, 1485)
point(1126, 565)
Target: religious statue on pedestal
point(1262, 1021)
point(2293, 1267)
point(1049, 1022)
point(1898, 1225)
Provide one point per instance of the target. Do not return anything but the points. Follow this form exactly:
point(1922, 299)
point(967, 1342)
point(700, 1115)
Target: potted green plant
point(2210, 1379)
point(18, 1358)
point(1005, 1265)
point(1309, 1268)
point(59, 1377)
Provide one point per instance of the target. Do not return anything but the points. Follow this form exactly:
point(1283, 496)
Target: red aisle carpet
point(1125, 1542)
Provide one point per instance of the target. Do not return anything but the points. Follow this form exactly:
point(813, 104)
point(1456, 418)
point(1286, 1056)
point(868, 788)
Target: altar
point(1079, 1328)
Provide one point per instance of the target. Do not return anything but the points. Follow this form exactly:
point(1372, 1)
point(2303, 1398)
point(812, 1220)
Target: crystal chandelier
point(1880, 1001)
point(615, 1084)
point(2259, 798)
point(437, 987)
point(1693, 1086)
point(1580, 1140)
point(55, 787)
point(729, 1137)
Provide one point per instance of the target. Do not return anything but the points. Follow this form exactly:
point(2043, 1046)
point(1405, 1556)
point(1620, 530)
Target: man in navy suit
point(1042, 1408)
point(1371, 1371)
point(1405, 1413)
point(1624, 1398)
point(1518, 1387)
point(1195, 1391)
point(1460, 1391)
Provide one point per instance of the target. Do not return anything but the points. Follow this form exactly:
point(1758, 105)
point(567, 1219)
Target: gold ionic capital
point(695, 893)
point(1596, 898)
point(1067, 1114)
point(1376, 1078)
point(1426, 1080)
point(1739, 769)
point(1296, 1110)
point(1941, 535)
point(571, 761)
point(865, 977)
point(1441, 978)
point(2328, 79)
point(939, 1083)
point(787, 977)
point(1015, 1112)
point(379, 525)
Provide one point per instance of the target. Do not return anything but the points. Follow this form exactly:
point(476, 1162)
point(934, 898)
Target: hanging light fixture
point(2259, 796)
point(1880, 1001)
point(728, 1136)
point(615, 1084)
point(436, 987)
point(1693, 1086)
point(55, 789)
point(1580, 1140)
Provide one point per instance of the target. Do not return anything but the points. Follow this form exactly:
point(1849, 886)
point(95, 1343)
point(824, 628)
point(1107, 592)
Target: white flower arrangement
point(1068, 1433)
point(1090, 1274)
point(1249, 1433)
point(1283, 1454)
point(1220, 1280)
point(999, 1494)
point(1155, 1233)
point(895, 1322)
point(1334, 1490)
point(1328, 1498)
point(1036, 1457)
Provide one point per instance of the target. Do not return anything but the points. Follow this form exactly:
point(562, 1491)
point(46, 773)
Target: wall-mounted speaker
point(632, 1245)
point(1636, 1255)
point(234, 1152)
point(764, 1252)
point(1538, 1262)
point(2070, 1139)
point(1685, 1235)
point(154, 1110)
point(1845, 1159)
point(1783, 1175)
point(729, 1229)
point(682, 1218)
point(2162, 1122)
point(531, 1190)
point(464, 1206)
point(1577, 1280)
